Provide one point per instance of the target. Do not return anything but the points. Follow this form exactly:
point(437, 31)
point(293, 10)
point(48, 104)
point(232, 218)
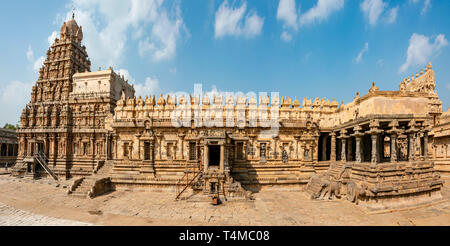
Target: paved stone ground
point(15, 217)
point(270, 207)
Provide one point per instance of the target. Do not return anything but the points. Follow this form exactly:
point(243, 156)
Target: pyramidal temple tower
point(62, 130)
point(65, 57)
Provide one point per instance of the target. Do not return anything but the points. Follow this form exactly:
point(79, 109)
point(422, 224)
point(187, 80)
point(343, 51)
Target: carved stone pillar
point(358, 135)
point(46, 146)
point(130, 151)
point(394, 143)
point(343, 138)
point(358, 149)
point(333, 147)
point(412, 147)
point(393, 147)
point(425, 145)
point(374, 131)
point(343, 155)
point(304, 151)
point(374, 158)
point(115, 139)
point(411, 132)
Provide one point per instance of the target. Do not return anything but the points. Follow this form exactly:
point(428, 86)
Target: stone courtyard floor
point(43, 202)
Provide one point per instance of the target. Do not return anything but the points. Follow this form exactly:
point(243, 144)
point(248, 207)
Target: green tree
point(10, 126)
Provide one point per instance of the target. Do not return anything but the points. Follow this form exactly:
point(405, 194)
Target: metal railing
point(43, 160)
point(188, 180)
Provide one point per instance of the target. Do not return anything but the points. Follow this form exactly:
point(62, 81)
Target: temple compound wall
point(384, 149)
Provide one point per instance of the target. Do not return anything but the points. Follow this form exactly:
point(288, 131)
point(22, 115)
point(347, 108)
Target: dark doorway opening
point(40, 148)
point(147, 151)
point(214, 155)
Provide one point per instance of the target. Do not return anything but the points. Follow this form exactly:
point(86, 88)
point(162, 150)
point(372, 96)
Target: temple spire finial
point(73, 13)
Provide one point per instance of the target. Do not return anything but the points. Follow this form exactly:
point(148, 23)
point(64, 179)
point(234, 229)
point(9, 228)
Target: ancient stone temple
point(382, 150)
point(62, 130)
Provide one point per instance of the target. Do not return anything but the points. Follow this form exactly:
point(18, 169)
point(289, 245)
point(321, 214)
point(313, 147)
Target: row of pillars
point(375, 132)
point(8, 150)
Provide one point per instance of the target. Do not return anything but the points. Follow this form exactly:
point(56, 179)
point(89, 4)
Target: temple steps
point(86, 185)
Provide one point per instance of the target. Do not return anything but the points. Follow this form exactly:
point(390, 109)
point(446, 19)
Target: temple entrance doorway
point(40, 147)
point(214, 155)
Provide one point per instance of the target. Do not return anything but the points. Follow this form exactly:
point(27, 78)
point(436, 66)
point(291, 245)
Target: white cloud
point(253, 25)
point(380, 62)
point(52, 37)
point(375, 9)
point(392, 15)
point(426, 5)
point(13, 98)
point(126, 75)
point(230, 21)
point(36, 63)
point(150, 87)
point(30, 54)
point(361, 53)
point(287, 12)
point(321, 11)
point(420, 50)
point(107, 25)
point(286, 36)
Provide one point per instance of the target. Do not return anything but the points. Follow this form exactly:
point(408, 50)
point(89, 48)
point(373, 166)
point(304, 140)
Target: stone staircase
point(18, 169)
point(85, 185)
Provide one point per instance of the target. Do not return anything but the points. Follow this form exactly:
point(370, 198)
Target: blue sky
point(303, 48)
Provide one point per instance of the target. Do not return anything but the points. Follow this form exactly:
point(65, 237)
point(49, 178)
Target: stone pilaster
point(296, 139)
point(107, 146)
point(138, 136)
